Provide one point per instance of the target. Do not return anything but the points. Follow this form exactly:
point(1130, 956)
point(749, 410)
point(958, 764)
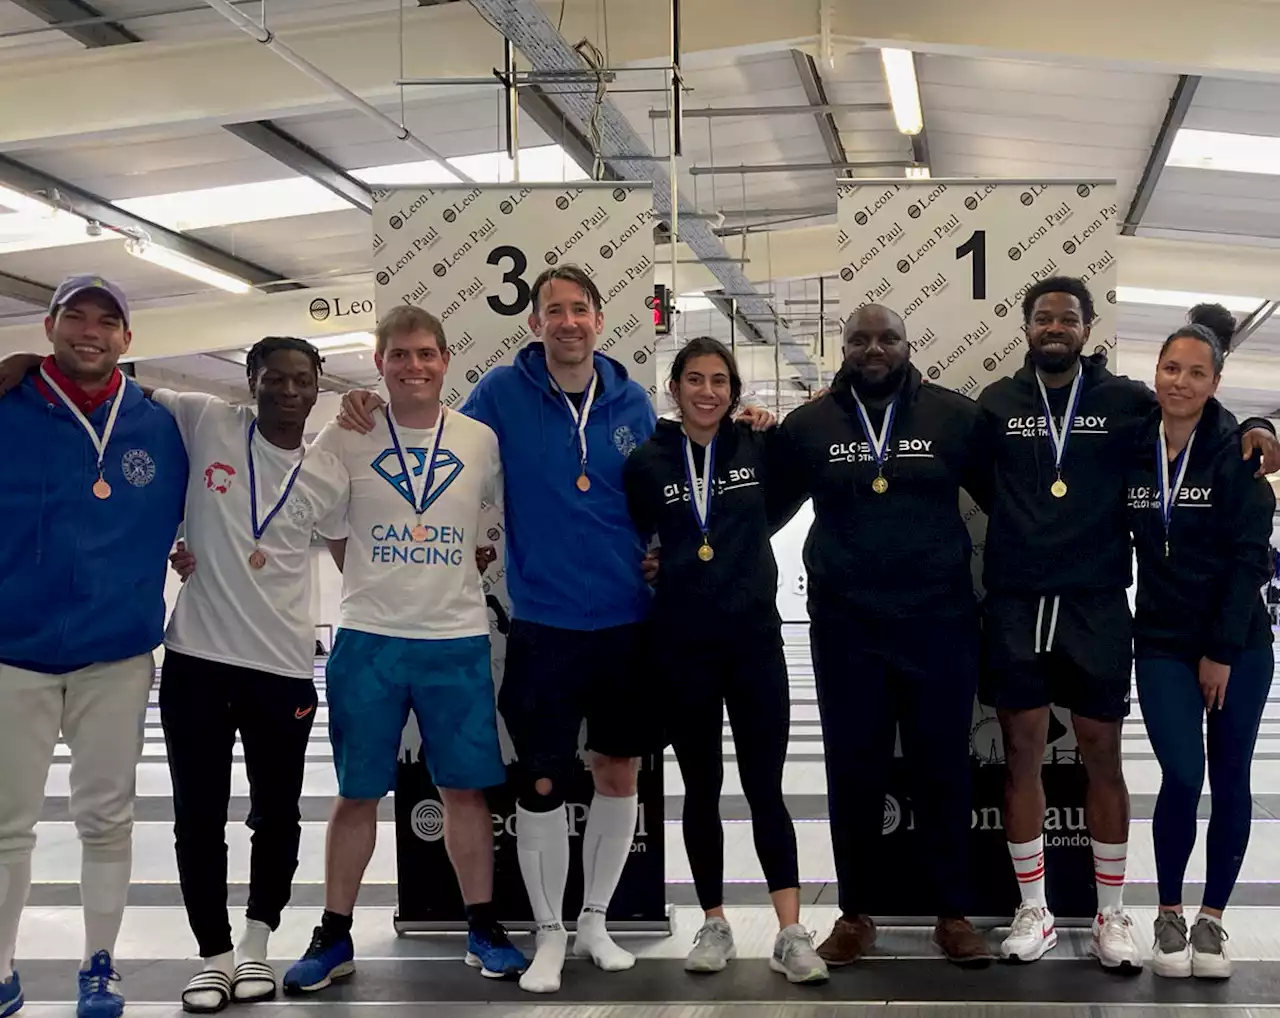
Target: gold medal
point(101, 489)
point(418, 533)
point(879, 485)
point(584, 482)
point(258, 559)
point(1059, 488)
point(705, 553)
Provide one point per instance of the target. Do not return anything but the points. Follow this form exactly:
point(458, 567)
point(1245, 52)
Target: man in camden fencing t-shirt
point(240, 652)
point(414, 634)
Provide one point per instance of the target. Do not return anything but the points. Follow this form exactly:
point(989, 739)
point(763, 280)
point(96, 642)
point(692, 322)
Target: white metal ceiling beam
point(1180, 101)
point(27, 291)
point(229, 78)
point(1229, 38)
point(58, 12)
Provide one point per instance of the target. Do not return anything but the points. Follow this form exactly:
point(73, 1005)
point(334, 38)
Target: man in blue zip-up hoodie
point(567, 418)
point(91, 502)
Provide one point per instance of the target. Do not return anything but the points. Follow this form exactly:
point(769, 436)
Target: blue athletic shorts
point(373, 681)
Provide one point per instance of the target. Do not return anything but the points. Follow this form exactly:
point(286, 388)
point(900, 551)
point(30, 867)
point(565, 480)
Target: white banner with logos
point(955, 258)
point(470, 255)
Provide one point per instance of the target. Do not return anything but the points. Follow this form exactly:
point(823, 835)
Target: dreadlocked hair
point(264, 348)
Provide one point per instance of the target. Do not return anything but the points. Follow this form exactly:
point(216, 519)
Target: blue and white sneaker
point(323, 963)
point(100, 995)
point(494, 955)
point(11, 999)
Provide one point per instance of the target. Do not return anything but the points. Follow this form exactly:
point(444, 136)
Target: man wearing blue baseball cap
point(94, 485)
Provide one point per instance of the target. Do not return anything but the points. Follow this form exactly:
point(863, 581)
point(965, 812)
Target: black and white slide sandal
point(254, 981)
point(211, 981)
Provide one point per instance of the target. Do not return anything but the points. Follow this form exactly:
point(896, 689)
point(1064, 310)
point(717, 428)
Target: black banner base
point(428, 896)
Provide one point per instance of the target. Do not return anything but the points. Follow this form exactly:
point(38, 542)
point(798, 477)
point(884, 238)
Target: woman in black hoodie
point(1201, 524)
point(717, 627)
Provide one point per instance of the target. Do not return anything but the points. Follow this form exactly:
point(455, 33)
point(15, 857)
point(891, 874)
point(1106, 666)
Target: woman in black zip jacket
point(718, 632)
point(1201, 523)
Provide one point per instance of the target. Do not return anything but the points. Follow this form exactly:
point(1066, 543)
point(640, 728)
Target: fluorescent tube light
point(904, 91)
point(1219, 150)
point(184, 265)
point(1184, 299)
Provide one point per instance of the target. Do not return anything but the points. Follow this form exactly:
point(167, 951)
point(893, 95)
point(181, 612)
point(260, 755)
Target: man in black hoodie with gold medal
point(894, 627)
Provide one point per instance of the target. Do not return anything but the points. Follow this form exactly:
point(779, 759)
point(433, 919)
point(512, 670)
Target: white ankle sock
point(1108, 873)
point(253, 942)
point(1028, 864)
point(606, 846)
point(15, 882)
point(253, 947)
point(542, 845)
point(223, 963)
point(104, 889)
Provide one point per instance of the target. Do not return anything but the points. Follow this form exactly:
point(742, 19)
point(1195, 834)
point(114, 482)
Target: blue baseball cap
point(71, 288)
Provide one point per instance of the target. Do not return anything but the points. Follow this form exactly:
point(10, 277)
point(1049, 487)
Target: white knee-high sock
point(15, 883)
point(606, 846)
point(542, 844)
point(104, 889)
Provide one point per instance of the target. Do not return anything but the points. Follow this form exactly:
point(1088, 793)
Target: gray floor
point(906, 977)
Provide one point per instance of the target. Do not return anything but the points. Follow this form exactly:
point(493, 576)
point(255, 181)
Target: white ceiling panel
point(1233, 205)
point(130, 165)
point(1239, 107)
point(313, 249)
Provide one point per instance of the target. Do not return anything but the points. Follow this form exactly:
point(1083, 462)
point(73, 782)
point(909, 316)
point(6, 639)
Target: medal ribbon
point(428, 468)
point(1169, 495)
point(261, 528)
point(100, 444)
point(879, 442)
point(1058, 436)
point(580, 415)
point(700, 487)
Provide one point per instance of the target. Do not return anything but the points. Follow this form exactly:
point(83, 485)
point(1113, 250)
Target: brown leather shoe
point(961, 943)
point(850, 939)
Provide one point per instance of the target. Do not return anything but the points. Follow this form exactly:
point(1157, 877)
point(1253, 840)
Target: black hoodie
point(1202, 600)
point(740, 584)
point(904, 552)
point(1038, 544)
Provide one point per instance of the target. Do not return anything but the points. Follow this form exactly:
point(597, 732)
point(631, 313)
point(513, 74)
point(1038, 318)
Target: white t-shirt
point(393, 585)
point(227, 611)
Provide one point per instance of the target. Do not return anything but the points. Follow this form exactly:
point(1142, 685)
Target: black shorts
point(557, 678)
point(1081, 660)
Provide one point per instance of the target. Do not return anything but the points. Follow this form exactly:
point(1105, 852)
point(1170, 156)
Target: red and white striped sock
point(1028, 864)
point(1108, 872)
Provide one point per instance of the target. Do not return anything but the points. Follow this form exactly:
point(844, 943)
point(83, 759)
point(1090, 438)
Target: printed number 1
point(976, 245)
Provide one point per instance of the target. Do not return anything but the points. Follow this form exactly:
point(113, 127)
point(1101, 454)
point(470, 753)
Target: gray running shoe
point(1209, 959)
point(1171, 953)
point(795, 957)
point(712, 947)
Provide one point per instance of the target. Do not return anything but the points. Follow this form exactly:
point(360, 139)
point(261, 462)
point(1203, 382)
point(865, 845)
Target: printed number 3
point(514, 276)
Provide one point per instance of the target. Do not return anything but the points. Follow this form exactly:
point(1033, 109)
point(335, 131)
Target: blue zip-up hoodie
point(82, 579)
point(573, 558)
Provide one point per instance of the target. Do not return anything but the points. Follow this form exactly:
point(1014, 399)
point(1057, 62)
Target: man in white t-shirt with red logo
point(414, 635)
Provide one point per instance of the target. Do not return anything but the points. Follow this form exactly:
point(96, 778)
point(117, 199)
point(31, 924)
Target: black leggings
point(746, 672)
point(202, 706)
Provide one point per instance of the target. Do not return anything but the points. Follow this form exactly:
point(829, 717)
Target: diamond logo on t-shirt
point(447, 468)
point(217, 477)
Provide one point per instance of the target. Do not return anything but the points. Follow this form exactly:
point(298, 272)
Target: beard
point(1054, 363)
point(877, 388)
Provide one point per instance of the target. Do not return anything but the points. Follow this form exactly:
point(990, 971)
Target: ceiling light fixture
point(172, 260)
point(904, 90)
point(1221, 150)
point(917, 173)
point(1185, 299)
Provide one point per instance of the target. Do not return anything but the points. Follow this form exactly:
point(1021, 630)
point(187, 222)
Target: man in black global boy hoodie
point(1057, 626)
point(894, 621)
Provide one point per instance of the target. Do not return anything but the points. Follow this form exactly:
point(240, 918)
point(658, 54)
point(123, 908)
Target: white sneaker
point(1171, 953)
point(1032, 934)
point(1209, 958)
point(712, 947)
point(1115, 941)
